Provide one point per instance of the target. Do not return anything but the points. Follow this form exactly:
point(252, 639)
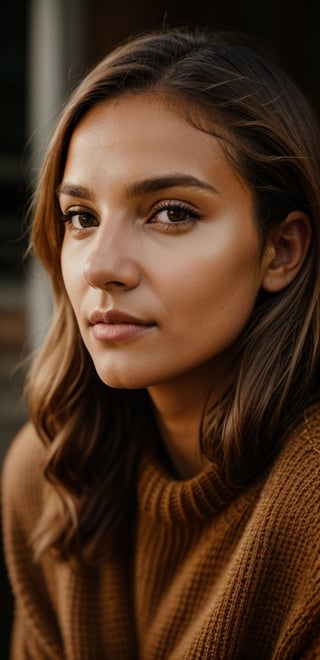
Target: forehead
point(149, 116)
point(143, 133)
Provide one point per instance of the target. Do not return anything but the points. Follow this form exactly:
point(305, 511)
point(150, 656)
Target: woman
point(164, 500)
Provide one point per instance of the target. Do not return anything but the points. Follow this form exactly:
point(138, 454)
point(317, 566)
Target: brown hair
point(95, 434)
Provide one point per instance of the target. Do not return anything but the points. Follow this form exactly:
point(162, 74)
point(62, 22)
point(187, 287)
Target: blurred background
point(45, 47)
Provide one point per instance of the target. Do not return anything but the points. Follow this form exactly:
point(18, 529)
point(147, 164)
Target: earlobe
point(286, 251)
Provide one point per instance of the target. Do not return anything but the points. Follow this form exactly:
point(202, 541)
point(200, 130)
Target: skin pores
point(161, 257)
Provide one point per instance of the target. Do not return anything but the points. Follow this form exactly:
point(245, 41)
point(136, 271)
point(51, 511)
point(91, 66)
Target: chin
point(121, 381)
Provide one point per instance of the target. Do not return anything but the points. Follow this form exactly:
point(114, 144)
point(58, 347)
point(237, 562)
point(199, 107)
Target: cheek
point(65, 261)
point(214, 291)
point(72, 278)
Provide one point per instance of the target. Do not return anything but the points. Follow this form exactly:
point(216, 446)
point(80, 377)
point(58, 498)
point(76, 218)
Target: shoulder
point(301, 452)
point(292, 489)
point(23, 474)
point(34, 583)
point(25, 458)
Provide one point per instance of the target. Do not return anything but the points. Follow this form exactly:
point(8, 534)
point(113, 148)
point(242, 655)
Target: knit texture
point(213, 572)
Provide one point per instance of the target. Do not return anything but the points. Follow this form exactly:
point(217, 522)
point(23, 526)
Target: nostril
point(117, 283)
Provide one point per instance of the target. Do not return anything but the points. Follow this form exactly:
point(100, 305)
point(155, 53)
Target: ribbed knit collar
point(171, 501)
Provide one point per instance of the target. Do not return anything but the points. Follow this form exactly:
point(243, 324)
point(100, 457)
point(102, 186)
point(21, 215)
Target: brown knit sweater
point(213, 573)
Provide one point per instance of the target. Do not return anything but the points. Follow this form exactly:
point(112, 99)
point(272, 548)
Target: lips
point(115, 317)
point(114, 326)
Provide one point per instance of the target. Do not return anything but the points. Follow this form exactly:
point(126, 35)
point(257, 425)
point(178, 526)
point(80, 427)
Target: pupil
point(176, 215)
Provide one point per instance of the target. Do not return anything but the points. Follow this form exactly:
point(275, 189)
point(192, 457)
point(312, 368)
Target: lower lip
point(119, 331)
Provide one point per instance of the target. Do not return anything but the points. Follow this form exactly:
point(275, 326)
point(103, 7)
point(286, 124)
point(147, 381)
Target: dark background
point(290, 31)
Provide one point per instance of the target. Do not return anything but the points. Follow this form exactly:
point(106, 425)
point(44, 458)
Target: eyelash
point(67, 218)
point(171, 205)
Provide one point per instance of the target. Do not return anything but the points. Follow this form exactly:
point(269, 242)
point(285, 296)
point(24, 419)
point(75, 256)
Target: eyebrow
point(148, 186)
point(72, 190)
point(144, 187)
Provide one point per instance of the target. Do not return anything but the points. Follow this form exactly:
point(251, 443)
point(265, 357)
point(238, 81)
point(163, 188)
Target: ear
point(286, 250)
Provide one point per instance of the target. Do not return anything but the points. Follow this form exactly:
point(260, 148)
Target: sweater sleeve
point(35, 631)
point(305, 623)
point(299, 518)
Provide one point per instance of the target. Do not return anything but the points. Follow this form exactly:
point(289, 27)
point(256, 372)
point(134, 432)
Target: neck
point(179, 407)
point(178, 413)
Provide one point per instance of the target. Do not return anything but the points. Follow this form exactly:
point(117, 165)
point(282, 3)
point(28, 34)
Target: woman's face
point(161, 257)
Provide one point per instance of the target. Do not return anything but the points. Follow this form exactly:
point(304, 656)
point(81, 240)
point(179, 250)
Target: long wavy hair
point(94, 435)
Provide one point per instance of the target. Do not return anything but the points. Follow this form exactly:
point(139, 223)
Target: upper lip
point(115, 316)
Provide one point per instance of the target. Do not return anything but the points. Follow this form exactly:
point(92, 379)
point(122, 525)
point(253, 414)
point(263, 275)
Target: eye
point(174, 215)
point(79, 219)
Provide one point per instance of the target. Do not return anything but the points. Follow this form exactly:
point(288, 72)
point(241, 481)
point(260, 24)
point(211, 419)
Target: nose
point(111, 262)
